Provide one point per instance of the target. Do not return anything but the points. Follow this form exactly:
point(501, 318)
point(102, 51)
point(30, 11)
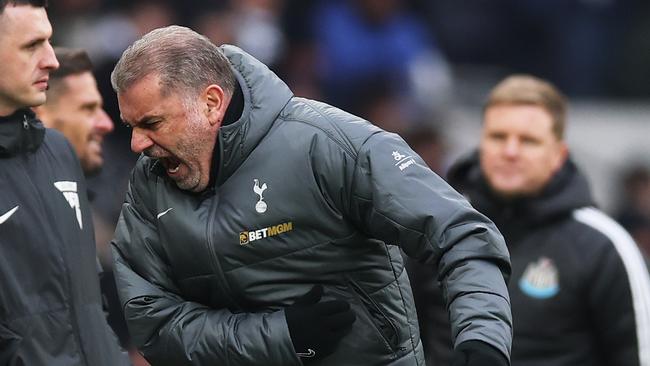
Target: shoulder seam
point(345, 145)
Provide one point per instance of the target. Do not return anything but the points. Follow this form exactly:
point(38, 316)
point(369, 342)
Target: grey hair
point(182, 58)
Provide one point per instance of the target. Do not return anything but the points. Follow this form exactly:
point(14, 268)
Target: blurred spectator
point(106, 31)
point(361, 40)
point(258, 29)
point(579, 289)
point(253, 25)
point(297, 67)
point(75, 108)
point(217, 25)
point(377, 100)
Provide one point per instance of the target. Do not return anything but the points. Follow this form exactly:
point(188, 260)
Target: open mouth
point(171, 164)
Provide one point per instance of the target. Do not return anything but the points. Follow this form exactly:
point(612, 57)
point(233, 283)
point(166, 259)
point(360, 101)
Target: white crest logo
point(403, 161)
point(540, 279)
point(260, 206)
point(69, 190)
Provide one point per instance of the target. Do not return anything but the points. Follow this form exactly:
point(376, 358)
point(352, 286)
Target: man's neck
point(7, 110)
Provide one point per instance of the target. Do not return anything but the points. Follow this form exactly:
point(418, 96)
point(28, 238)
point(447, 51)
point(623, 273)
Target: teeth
point(174, 170)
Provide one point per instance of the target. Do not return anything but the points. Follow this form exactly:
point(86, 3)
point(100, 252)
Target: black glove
point(477, 353)
point(316, 327)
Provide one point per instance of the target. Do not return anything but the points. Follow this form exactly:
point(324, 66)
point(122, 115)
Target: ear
point(561, 156)
point(216, 103)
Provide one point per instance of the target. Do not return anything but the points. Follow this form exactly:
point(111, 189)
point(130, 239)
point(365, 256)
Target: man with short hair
point(75, 108)
point(50, 307)
point(580, 290)
point(263, 229)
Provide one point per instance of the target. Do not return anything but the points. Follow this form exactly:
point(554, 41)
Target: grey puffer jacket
point(304, 194)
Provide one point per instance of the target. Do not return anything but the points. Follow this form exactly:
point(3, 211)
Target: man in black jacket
point(580, 290)
point(50, 308)
point(74, 107)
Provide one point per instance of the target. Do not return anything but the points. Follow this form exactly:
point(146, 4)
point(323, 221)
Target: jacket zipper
point(216, 265)
point(378, 316)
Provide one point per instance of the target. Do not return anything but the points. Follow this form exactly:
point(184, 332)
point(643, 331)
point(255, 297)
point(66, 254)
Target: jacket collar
point(232, 115)
point(20, 132)
point(265, 95)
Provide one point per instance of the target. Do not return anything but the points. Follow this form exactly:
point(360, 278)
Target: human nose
point(139, 141)
point(103, 123)
point(49, 60)
point(511, 148)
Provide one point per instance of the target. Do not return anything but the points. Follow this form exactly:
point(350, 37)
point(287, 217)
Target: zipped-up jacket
point(304, 194)
point(50, 305)
point(580, 288)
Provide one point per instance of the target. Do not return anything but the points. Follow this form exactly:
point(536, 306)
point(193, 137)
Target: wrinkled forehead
point(142, 98)
point(152, 88)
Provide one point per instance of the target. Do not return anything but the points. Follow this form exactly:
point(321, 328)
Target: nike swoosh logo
point(310, 353)
point(7, 215)
point(164, 212)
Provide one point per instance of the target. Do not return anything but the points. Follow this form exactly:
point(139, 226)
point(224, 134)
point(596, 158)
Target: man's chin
point(508, 190)
point(36, 100)
point(191, 186)
point(92, 169)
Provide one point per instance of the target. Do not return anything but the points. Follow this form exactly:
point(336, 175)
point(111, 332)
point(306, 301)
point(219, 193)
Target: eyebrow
point(90, 105)
point(35, 41)
point(43, 35)
point(141, 121)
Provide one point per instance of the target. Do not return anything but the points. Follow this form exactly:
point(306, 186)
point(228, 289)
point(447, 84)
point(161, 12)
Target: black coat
point(579, 289)
point(50, 307)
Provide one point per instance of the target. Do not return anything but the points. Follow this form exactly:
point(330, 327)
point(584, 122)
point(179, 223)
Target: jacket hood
point(265, 95)
point(567, 190)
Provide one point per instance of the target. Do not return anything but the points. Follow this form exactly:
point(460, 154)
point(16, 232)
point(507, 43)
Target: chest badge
point(540, 279)
point(260, 206)
point(69, 191)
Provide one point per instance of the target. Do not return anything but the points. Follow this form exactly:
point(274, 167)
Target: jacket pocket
point(384, 326)
point(9, 343)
